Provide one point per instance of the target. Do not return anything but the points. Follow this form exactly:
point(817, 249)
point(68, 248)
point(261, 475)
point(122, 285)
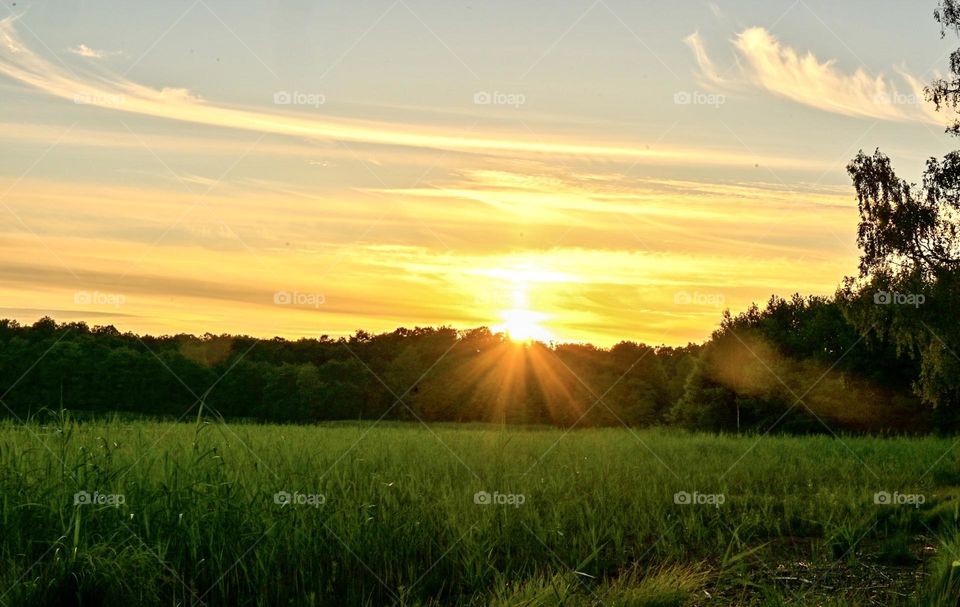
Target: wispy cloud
point(115, 92)
point(91, 53)
point(764, 63)
point(708, 70)
point(715, 9)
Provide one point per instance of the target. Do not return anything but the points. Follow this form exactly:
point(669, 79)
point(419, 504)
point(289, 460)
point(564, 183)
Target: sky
point(597, 171)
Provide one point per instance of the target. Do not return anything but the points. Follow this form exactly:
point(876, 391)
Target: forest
point(797, 365)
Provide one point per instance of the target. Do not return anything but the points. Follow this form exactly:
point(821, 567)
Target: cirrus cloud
point(91, 53)
point(763, 62)
point(114, 92)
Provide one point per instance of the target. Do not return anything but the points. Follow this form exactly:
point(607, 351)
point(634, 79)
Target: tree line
point(881, 354)
point(796, 365)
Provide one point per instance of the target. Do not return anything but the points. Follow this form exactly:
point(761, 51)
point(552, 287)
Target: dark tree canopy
point(909, 280)
point(945, 93)
point(906, 230)
point(872, 358)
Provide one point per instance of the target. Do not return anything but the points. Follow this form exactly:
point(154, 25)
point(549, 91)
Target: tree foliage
point(409, 374)
point(909, 276)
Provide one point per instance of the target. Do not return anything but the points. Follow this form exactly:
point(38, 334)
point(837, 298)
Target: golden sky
point(606, 175)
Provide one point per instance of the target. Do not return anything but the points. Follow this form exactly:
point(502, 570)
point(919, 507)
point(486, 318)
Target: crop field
point(156, 513)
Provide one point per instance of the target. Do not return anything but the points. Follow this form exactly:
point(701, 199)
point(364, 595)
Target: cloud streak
point(20, 63)
point(708, 70)
point(91, 53)
point(764, 63)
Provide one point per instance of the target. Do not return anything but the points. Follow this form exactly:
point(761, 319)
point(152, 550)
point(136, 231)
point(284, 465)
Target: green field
point(187, 514)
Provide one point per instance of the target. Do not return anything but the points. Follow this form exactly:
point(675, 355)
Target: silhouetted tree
point(909, 281)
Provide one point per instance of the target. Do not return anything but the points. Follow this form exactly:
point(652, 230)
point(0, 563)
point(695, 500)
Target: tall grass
point(587, 517)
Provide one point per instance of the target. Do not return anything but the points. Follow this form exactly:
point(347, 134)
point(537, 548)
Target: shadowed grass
point(399, 523)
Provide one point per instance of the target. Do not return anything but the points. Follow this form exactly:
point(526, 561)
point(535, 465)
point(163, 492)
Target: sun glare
point(520, 323)
point(523, 325)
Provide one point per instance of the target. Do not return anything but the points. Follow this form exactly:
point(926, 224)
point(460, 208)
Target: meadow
point(119, 512)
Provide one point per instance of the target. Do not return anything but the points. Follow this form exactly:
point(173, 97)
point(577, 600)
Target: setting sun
point(524, 325)
point(522, 321)
point(420, 290)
